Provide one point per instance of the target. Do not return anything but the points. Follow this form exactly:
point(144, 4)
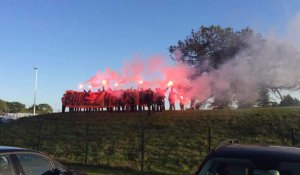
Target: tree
point(42, 108)
point(264, 98)
point(288, 100)
point(210, 47)
point(3, 106)
point(15, 107)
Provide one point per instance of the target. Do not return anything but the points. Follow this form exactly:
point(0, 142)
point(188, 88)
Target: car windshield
point(222, 166)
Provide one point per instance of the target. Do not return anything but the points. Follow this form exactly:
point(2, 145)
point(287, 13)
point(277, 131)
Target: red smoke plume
point(153, 73)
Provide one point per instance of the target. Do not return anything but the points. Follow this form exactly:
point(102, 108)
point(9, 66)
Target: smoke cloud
point(272, 63)
point(153, 72)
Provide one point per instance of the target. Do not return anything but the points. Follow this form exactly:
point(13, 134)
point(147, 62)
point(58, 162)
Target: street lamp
point(35, 89)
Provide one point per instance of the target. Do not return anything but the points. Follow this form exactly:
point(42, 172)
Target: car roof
point(261, 153)
point(4, 149)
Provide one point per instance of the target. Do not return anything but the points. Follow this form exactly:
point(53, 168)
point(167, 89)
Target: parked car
point(4, 120)
point(239, 159)
point(20, 161)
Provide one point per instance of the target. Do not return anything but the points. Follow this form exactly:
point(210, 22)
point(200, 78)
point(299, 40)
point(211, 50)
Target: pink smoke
point(154, 73)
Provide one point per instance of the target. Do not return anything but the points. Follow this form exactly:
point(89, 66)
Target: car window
point(289, 168)
point(5, 165)
point(33, 164)
point(224, 166)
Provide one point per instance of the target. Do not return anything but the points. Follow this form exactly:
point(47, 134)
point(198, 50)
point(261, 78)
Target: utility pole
point(35, 89)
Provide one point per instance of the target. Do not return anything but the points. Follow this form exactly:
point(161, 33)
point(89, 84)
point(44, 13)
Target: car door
point(6, 165)
point(33, 164)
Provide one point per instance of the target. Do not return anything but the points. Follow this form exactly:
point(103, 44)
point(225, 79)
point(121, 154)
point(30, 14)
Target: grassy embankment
point(175, 142)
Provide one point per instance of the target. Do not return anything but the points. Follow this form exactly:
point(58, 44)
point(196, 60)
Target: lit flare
point(104, 82)
point(170, 83)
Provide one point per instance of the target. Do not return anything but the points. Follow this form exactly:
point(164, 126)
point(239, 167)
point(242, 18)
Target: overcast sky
point(70, 40)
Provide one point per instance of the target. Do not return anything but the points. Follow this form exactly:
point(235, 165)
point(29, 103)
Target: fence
point(144, 146)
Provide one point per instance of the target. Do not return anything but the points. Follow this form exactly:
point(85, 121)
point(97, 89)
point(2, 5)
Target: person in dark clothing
point(149, 98)
point(141, 99)
point(160, 99)
point(181, 103)
point(172, 99)
point(192, 105)
point(63, 108)
point(89, 98)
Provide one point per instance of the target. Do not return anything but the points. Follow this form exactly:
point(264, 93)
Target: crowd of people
point(121, 100)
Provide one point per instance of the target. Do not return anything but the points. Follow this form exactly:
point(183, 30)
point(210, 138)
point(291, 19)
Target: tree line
point(17, 107)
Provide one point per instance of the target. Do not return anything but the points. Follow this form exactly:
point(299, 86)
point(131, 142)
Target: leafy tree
point(15, 107)
point(3, 106)
point(264, 98)
point(210, 47)
point(42, 108)
point(288, 100)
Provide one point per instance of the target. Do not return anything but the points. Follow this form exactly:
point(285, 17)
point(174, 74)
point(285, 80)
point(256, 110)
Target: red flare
point(170, 83)
point(81, 86)
point(104, 82)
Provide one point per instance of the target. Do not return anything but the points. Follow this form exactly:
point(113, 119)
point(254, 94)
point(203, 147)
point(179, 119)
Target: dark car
point(19, 161)
point(3, 120)
point(239, 159)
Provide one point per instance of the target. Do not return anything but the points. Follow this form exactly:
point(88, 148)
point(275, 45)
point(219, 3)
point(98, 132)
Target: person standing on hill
point(181, 103)
point(172, 99)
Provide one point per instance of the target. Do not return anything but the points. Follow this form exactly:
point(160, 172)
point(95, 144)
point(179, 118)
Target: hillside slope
point(174, 142)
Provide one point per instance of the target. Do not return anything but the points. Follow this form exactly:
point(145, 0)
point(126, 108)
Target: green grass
point(175, 142)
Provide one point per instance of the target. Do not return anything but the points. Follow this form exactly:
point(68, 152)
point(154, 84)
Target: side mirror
point(58, 172)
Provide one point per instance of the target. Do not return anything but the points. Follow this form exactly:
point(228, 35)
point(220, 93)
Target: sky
point(69, 41)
